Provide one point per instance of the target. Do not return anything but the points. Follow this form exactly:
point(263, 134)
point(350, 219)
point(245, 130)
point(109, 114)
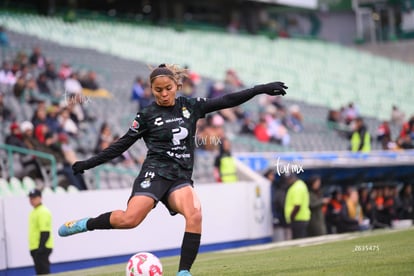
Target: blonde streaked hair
point(173, 71)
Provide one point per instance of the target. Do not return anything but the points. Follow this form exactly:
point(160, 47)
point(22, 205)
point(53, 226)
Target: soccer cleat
point(183, 273)
point(73, 227)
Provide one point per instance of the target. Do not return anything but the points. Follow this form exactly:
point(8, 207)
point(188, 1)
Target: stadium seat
point(28, 183)
point(16, 186)
point(4, 188)
point(47, 191)
point(72, 189)
point(60, 190)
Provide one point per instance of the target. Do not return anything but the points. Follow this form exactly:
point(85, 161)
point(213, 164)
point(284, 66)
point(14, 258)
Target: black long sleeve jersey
point(169, 134)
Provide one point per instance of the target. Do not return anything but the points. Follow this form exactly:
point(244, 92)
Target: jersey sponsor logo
point(186, 113)
point(179, 155)
point(146, 183)
point(179, 119)
point(201, 99)
point(179, 134)
point(158, 121)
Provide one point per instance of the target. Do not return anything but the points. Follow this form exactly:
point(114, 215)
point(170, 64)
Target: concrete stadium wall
point(231, 212)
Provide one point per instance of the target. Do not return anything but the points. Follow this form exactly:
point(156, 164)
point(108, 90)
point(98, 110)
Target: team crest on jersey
point(146, 183)
point(186, 113)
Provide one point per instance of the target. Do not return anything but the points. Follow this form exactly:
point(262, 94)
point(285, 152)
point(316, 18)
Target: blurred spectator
point(297, 212)
point(67, 124)
point(15, 137)
point(141, 92)
point(89, 81)
point(189, 83)
point(210, 135)
point(52, 118)
point(40, 115)
point(389, 210)
point(23, 59)
point(352, 217)
point(407, 129)
point(366, 203)
point(30, 142)
point(380, 217)
point(294, 119)
point(261, 131)
point(70, 158)
point(360, 138)
point(36, 58)
point(225, 169)
point(276, 130)
point(30, 93)
point(64, 71)
point(317, 225)
point(6, 74)
point(397, 116)
point(43, 86)
point(232, 82)
point(6, 115)
point(278, 194)
point(19, 89)
point(333, 212)
point(4, 39)
point(248, 125)
point(334, 116)
point(407, 203)
point(50, 71)
point(105, 138)
point(384, 134)
point(137, 89)
point(72, 85)
point(351, 113)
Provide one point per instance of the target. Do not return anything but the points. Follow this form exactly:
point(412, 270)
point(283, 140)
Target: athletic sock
point(100, 222)
point(189, 250)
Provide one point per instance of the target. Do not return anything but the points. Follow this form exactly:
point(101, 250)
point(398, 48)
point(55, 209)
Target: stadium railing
point(10, 150)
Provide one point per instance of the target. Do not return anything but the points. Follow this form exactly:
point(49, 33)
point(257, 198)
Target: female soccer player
point(168, 127)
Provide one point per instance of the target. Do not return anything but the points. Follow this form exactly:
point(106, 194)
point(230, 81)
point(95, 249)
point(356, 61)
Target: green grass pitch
point(389, 252)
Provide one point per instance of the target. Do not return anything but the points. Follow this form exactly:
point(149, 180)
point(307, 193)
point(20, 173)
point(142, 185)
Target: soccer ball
point(144, 264)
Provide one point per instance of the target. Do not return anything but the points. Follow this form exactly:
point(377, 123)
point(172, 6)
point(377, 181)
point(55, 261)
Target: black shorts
point(158, 188)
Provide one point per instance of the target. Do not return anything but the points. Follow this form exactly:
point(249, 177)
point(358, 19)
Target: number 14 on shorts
point(149, 174)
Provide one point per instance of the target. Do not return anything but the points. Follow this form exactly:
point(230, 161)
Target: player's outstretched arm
point(237, 98)
point(114, 150)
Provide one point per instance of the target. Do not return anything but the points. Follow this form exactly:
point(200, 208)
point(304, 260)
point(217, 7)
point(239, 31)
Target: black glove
point(79, 167)
point(272, 88)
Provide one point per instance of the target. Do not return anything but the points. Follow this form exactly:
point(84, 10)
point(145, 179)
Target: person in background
point(4, 39)
point(225, 169)
point(5, 113)
point(407, 203)
point(317, 225)
point(333, 212)
point(37, 58)
point(40, 233)
point(297, 212)
point(352, 217)
point(360, 138)
point(397, 116)
point(281, 231)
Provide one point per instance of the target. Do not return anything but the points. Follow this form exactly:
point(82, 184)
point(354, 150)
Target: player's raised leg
point(138, 208)
point(186, 202)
